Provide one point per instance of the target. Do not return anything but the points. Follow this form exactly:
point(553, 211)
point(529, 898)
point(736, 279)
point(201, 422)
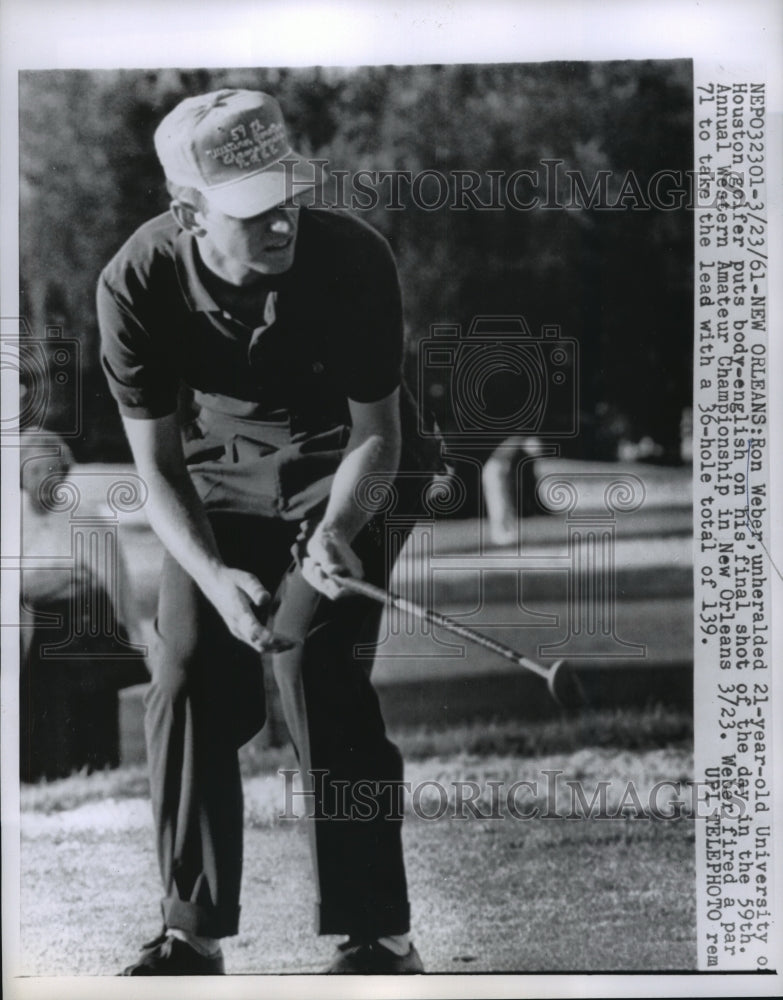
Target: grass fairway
point(556, 896)
point(502, 895)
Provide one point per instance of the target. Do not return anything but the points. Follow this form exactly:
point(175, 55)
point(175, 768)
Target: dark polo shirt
point(271, 395)
point(336, 331)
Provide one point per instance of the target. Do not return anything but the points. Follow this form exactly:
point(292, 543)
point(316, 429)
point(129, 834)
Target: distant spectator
point(76, 615)
point(509, 483)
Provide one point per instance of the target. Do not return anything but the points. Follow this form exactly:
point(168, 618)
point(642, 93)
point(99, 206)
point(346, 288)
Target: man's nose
point(280, 223)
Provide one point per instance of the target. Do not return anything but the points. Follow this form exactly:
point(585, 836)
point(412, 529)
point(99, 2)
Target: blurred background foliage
point(619, 282)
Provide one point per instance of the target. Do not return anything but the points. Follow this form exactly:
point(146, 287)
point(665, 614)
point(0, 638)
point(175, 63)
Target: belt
point(225, 417)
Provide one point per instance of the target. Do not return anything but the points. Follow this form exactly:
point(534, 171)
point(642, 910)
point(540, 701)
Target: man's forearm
point(180, 521)
point(178, 518)
point(373, 450)
point(377, 455)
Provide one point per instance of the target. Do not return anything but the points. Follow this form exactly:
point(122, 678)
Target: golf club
point(560, 678)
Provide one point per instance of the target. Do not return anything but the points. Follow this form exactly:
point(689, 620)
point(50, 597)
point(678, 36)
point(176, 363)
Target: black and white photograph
point(388, 506)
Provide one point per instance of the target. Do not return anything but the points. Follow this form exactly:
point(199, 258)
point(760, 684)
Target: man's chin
point(275, 262)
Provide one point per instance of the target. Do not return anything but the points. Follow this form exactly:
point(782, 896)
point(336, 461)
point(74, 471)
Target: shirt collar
point(196, 296)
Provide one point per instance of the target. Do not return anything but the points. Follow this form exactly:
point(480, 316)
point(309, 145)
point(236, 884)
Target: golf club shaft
point(443, 621)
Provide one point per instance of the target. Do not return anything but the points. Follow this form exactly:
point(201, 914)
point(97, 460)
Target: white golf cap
point(232, 146)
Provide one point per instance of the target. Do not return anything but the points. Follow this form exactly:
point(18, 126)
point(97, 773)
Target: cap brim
point(275, 185)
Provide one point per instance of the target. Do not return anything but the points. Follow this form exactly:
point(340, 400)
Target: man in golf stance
point(286, 325)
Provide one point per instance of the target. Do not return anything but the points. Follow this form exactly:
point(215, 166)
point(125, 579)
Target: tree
point(619, 282)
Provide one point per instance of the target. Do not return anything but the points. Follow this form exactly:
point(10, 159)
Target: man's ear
point(187, 216)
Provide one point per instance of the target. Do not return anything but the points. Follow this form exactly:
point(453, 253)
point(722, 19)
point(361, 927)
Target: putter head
point(564, 685)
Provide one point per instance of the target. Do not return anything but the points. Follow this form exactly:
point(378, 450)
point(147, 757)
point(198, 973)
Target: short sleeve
point(139, 377)
point(373, 336)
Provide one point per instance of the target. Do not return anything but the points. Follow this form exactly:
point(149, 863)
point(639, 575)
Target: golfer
point(254, 347)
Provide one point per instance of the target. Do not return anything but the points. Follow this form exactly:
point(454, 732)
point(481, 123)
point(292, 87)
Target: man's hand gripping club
point(329, 556)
